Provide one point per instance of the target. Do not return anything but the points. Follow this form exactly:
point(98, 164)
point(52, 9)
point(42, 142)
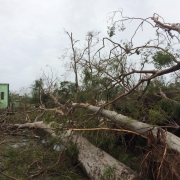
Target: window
point(2, 95)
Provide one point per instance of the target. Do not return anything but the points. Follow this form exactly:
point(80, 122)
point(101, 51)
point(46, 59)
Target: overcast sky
point(32, 31)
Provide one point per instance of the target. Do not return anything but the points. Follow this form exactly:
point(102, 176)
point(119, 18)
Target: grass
point(34, 161)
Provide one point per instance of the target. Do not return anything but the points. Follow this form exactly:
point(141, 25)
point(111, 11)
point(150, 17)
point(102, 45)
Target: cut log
point(134, 125)
point(96, 163)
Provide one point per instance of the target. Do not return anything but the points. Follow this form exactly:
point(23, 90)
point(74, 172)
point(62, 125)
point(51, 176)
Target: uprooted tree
point(123, 107)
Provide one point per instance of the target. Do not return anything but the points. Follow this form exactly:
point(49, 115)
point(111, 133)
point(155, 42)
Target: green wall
point(4, 95)
point(15, 103)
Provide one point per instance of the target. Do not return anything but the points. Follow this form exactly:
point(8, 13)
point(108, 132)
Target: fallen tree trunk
point(139, 127)
point(96, 163)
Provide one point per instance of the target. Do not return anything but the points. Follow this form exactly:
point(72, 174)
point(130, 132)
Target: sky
point(32, 34)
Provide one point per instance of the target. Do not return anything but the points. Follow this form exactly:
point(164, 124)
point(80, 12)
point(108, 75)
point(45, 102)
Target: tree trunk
point(139, 127)
point(95, 162)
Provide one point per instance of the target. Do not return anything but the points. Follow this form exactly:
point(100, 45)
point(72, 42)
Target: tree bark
point(139, 127)
point(93, 160)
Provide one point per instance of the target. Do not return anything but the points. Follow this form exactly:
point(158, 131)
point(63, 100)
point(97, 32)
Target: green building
point(15, 103)
point(4, 95)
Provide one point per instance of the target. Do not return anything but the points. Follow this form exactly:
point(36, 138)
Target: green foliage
point(121, 27)
point(48, 117)
point(117, 65)
point(130, 107)
point(90, 79)
point(127, 47)
point(156, 117)
point(87, 76)
point(111, 31)
point(108, 173)
point(72, 152)
point(162, 59)
point(171, 108)
point(36, 87)
point(91, 87)
point(67, 87)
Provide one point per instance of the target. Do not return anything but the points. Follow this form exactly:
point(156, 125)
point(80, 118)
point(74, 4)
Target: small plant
point(109, 173)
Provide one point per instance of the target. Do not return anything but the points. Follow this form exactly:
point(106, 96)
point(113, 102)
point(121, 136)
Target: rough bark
point(92, 159)
point(139, 127)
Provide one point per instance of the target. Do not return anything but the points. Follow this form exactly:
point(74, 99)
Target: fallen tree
point(95, 162)
point(139, 127)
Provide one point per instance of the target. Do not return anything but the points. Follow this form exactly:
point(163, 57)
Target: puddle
point(20, 144)
point(59, 147)
point(56, 147)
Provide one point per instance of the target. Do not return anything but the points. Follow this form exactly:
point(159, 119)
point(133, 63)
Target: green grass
point(34, 161)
